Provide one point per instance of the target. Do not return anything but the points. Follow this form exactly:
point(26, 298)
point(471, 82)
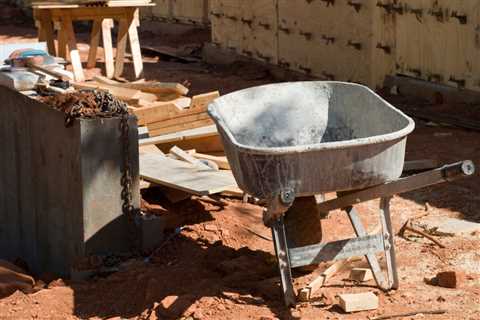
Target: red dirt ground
point(216, 268)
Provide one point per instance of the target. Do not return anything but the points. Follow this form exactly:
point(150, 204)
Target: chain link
point(128, 209)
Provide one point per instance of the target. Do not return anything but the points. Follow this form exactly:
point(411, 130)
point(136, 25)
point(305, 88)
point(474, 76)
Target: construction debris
point(13, 278)
point(408, 314)
point(361, 274)
point(184, 176)
point(354, 302)
point(450, 226)
point(408, 227)
point(447, 279)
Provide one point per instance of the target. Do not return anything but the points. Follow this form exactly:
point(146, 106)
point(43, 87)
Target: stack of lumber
point(162, 107)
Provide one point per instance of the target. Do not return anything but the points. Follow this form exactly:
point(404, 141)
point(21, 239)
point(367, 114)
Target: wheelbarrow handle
point(446, 173)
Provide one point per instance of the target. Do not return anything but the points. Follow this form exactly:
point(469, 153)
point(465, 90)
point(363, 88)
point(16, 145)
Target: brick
point(358, 302)
point(361, 274)
point(449, 279)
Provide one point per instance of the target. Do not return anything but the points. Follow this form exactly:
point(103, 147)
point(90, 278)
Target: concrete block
point(361, 274)
point(358, 302)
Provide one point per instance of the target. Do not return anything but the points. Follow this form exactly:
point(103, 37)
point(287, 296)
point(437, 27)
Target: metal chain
point(127, 207)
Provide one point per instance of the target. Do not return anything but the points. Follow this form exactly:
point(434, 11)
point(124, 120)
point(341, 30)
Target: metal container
point(310, 137)
point(60, 188)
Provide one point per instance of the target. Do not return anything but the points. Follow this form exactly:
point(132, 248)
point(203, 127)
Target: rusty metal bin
point(60, 190)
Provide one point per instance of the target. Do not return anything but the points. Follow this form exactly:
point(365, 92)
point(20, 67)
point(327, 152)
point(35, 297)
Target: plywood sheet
point(184, 176)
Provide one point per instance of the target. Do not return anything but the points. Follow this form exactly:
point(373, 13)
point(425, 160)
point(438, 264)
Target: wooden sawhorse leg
point(67, 28)
point(128, 31)
point(45, 31)
point(94, 41)
point(107, 25)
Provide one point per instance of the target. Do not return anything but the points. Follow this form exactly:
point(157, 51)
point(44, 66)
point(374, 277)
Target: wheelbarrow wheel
point(303, 226)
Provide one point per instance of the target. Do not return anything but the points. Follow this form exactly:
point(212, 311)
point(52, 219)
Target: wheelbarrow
point(302, 139)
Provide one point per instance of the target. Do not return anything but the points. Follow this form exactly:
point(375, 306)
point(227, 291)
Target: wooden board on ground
point(183, 176)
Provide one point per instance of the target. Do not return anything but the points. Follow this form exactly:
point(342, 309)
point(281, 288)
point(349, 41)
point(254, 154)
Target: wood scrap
point(354, 302)
point(177, 121)
point(150, 149)
point(147, 86)
point(184, 176)
point(408, 314)
point(203, 132)
point(157, 113)
point(306, 293)
point(179, 127)
point(124, 94)
point(222, 162)
point(409, 227)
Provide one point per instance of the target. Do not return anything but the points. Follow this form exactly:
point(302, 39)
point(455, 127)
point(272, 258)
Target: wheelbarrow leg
point(281, 250)
point(386, 221)
point(371, 258)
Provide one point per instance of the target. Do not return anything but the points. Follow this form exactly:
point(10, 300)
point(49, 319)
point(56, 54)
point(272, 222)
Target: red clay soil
point(222, 266)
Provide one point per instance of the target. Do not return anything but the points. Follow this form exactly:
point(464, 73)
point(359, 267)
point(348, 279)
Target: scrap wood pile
point(187, 172)
point(162, 107)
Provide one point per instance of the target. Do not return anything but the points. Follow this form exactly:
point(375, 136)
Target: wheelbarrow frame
point(363, 244)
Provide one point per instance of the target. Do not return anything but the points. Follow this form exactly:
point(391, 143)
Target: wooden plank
point(182, 155)
point(183, 176)
point(122, 38)
point(94, 41)
point(107, 25)
point(180, 127)
point(135, 46)
point(121, 93)
point(177, 121)
point(203, 132)
point(150, 149)
point(222, 162)
point(163, 111)
point(72, 47)
point(203, 100)
point(151, 86)
point(212, 144)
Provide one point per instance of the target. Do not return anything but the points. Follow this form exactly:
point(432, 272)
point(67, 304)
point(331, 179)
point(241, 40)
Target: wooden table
point(60, 17)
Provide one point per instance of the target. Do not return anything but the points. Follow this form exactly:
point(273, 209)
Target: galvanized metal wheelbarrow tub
point(300, 139)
